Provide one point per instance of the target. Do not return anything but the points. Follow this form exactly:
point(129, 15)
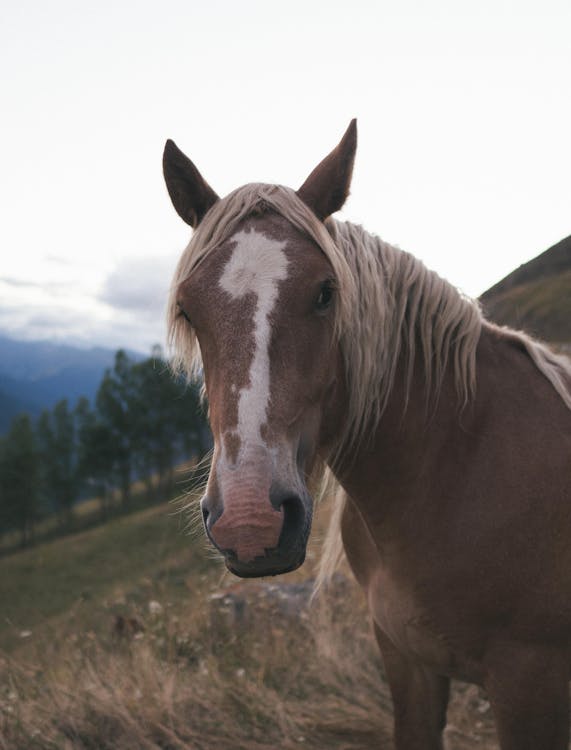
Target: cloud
point(51, 287)
point(88, 327)
point(12, 281)
point(60, 260)
point(127, 311)
point(139, 285)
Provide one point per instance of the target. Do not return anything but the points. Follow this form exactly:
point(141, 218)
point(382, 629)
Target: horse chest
point(419, 632)
point(409, 620)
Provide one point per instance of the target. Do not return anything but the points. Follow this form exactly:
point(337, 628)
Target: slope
point(536, 296)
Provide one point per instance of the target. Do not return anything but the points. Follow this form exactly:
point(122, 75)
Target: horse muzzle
point(260, 528)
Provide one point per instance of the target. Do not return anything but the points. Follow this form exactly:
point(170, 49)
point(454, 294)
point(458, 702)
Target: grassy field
point(206, 663)
point(44, 586)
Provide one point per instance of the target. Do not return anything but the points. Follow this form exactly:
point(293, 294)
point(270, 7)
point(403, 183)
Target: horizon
point(148, 351)
point(463, 155)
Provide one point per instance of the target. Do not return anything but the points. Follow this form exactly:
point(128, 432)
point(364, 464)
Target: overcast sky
point(464, 114)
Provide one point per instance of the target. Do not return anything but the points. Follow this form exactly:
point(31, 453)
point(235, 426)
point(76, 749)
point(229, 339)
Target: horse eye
point(325, 296)
point(183, 313)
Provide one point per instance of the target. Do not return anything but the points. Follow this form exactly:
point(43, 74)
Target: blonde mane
point(390, 304)
point(391, 308)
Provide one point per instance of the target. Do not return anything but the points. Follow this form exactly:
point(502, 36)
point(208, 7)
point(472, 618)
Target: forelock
point(221, 222)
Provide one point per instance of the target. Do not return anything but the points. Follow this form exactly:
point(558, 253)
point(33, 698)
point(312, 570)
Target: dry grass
point(206, 678)
point(201, 679)
point(219, 665)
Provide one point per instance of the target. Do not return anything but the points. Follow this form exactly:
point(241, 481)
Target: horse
point(324, 349)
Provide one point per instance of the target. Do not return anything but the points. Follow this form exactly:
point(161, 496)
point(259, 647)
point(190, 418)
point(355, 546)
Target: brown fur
point(456, 471)
point(245, 525)
point(327, 187)
point(191, 195)
point(463, 549)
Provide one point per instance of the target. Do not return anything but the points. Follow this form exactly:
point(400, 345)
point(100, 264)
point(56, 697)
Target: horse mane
point(391, 308)
point(404, 311)
point(390, 305)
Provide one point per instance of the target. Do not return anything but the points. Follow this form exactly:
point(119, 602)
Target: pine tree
point(57, 438)
point(95, 454)
point(19, 479)
point(114, 407)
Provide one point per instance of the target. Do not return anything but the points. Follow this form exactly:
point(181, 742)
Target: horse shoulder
point(478, 542)
point(396, 612)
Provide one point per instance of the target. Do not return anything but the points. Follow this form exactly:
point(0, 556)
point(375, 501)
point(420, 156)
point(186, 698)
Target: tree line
point(142, 422)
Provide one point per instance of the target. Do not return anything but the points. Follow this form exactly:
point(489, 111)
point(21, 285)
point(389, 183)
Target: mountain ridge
point(536, 296)
point(35, 375)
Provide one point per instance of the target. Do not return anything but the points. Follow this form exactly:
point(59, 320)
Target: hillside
point(536, 296)
point(198, 660)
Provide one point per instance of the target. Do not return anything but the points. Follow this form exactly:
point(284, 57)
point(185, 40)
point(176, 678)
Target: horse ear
point(327, 187)
point(190, 194)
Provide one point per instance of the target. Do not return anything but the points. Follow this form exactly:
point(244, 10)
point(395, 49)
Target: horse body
point(463, 549)
point(450, 437)
point(469, 519)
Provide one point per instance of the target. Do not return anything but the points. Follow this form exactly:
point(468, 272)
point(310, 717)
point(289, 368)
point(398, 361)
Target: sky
point(464, 117)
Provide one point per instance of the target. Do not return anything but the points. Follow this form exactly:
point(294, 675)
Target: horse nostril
point(294, 521)
point(210, 513)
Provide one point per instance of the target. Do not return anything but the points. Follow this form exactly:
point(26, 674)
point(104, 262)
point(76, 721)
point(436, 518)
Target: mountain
point(536, 296)
point(11, 404)
point(36, 374)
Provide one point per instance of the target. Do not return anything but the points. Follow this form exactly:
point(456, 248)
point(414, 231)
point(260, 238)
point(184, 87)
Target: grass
point(88, 513)
point(204, 673)
point(197, 682)
point(74, 574)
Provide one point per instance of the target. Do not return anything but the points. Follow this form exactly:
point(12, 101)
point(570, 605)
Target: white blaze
point(256, 266)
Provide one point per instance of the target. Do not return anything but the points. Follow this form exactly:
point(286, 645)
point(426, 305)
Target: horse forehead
point(257, 262)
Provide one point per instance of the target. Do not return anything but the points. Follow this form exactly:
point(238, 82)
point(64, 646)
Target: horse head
point(260, 300)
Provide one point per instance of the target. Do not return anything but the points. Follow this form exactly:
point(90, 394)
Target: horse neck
point(414, 428)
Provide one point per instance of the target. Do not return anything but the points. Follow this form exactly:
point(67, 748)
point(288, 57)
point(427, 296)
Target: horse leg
point(420, 699)
point(528, 690)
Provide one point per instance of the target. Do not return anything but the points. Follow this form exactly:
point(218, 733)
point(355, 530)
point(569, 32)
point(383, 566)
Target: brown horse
point(450, 438)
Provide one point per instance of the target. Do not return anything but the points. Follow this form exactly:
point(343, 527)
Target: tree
point(57, 438)
point(167, 418)
point(195, 434)
point(155, 410)
point(114, 405)
point(19, 478)
point(144, 422)
point(95, 454)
